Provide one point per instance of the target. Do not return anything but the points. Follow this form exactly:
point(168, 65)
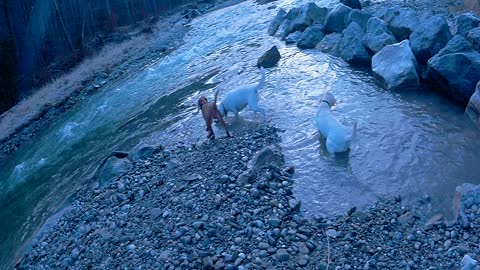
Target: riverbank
point(114, 63)
point(228, 204)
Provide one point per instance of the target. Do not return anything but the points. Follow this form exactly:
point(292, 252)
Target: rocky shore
point(228, 204)
point(406, 46)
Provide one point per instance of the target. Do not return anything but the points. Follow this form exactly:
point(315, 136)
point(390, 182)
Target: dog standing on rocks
point(337, 135)
point(236, 100)
point(209, 113)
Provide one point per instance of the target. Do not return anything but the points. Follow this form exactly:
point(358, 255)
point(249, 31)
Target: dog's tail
point(262, 80)
point(215, 100)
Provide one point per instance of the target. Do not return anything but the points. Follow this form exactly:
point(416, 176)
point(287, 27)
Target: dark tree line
point(40, 39)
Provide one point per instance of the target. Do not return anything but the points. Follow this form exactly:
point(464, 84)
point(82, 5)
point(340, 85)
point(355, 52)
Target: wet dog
point(236, 100)
point(338, 137)
point(209, 113)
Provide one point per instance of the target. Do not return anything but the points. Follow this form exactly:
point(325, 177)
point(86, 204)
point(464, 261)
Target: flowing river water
point(409, 144)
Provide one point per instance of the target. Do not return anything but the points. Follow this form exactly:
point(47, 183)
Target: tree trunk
point(67, 35)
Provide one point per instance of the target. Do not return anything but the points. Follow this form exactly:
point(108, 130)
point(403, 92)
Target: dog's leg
point(253, 105)
point(224, 125)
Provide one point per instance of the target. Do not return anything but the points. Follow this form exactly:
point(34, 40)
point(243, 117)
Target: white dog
point(238, 99)
point(338, 136)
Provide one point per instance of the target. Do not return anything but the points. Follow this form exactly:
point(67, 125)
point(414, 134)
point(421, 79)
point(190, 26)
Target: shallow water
point(410, 144)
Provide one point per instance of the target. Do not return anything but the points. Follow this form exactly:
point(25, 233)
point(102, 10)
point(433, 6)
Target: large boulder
point(276, 22)
point(457, 44)
point(377, 35)
point(270, 58)
point(311, 37)
point(355, 4)
point(337, 18)
point(455, 74)
point(268, 156)
point(359, 16)
point(473, 107)
point(284, 29)
point(473, 36)
point(396, 67)
point(401, 21)
point(429, 38)
point(113, 166)
point(308, 15)
point(350, 46)
point(465, 22)
point(329, 44)
point(293, 37)
point(143, 151)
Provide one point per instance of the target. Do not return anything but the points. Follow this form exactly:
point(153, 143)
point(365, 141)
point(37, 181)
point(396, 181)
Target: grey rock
point(143, 151)
point(294, 204)
point(396, 67)
point(274, 221)
point(224, 179)
point(112, 167)
point(329, 44)
point(336, 19)
point(468, 263)
point(401, 21)
point(360, 17)
point(473, 107)
point(354, 4)
point(270, 58)
point(473, 36)
point(155, 213)
point(350, 46)
point(293, 37)
point(303, 260)
point(208, 263)
point(455, 74)
point(311, 37)
point(332, 233)
point(455, 45)
point(307, 16)
point(282, 255)
point(429, 38)
point(263, 245)
point(377, 35)
point(276, 22)
point(270, 155)
point(284, 29)
point(247, 176)
point(465, 22)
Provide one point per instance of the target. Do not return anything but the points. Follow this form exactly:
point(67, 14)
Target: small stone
point(331, 233)
point(75, 253)
point(282, 255)
point(303, 260)
point(208, 263)
point(263, 245)
point(197, 224)
point(405, 219)
point(468, 263)
point(274, 221)
point(224, 179)
point(294, 204)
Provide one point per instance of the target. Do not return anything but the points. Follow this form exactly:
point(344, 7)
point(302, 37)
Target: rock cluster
point(229, 204)
point(356, 35)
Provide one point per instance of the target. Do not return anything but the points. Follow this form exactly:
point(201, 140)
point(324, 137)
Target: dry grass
point(61, 88)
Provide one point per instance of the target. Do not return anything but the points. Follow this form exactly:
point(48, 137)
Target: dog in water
point(338, 137)
point(236, 100)
point(209, 113)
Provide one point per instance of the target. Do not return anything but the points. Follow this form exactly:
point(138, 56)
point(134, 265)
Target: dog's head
point(329, 98)
point(202, 100)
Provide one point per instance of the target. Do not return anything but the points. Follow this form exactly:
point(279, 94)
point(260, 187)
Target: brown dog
point(210, 112)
